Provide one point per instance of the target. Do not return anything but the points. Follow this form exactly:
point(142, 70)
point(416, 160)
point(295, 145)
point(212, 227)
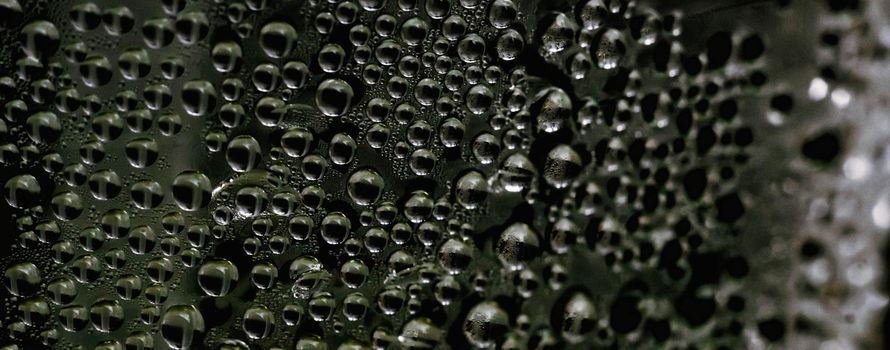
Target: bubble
point(376, 239)
point(486, 323)
point(517, 245)
point(62, 291)
point(372, 5)
point(232, 115)
point(139, 340)
point(471, 48)
point(21, 190)
point(419, 206)
point(388, 52)
point(420, 333)
point(268, 110)
point(509, 45)
point(471, 189)
point(170, 124)
point(564, 235)
point(199, 97)
point(39, 39)
point(580, 64)
point(365, 186)
point(354, 273)
point(106, 315)
point(559, 34)
point(427, 91)
point(191, 190)
point(172, 68)
point(372, 74)
point(73, 317)
point(217, 277)
point(295, 74)
point(67, 205)
point(342, 149)
point(107, 126)
point(309, 275)
point(128, 286)
point(335, 228)
point(285, 203)
point(451, 132)
point(264, 275)
point(141, 239)
point(563, 164)
point(479, 99)
point(419, 133)
point(292, 314)
point(610, 49)
point(409, 66)
point(414, 31)
point(22, 279)
point(134, 63)
point(313, 196)
point(243, 153)
point(355, 306)
point(191, 27)
point(216, 140)
point(10, 12)
point(407, 204)
point(104, 184)
point(331, 58)
point(579, 318)
point(157, 293)
point(118, 20)
point(553, 108)
point(159, 270)
point(126, 100)
point(158, 32)
point(251, 201)
point(422, 162)
point(428, 233)
point(378, 135)
point(397, 87)
point(455, 256)
point(258, 322)
point(68, 101)
point(227, 56)
point(181, 326)
point(256, 5)
point(324, 22)
point(43, 127)
point(321, 306)
point(385, 25)
point(502, 13)
point(346, 12)
point(173, 7)
point(593, 13)
point(277, 39)
point(334, 97)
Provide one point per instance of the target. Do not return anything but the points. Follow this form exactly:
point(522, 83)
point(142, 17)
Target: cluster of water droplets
point(372, 174)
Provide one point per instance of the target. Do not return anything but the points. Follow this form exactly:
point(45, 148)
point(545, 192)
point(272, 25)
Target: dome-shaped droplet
point(517, 245)
point(365, 186)
point(217, 277)
point(277, 39)
point(471, 189)
point(334, 97)
point(191, 190)
point(486, 323)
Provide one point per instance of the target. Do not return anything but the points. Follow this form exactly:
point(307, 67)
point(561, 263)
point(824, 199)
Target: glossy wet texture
point(406, 174)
